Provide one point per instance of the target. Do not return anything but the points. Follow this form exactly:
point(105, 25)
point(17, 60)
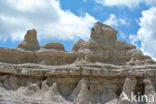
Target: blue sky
point(67, 21)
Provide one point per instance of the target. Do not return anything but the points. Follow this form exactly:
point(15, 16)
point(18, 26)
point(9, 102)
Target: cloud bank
point(17, 16)
point(126, 3)
point(113, 20)
point(147, 32)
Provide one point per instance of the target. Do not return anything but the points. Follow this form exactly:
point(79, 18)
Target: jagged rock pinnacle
point(101, 70)
point(103, 32)
point(30, 42)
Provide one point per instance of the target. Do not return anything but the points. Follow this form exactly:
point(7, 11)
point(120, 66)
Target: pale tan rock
point(128, 89)
point(54, 45)
point(54, 95)
point(79, 44)
point(108, 95)
point(80, 94)
point(83, 95)
point(120, 45)
point(11, 83)
point(149, 92)
point(114, 101)
point(103, 32)
point(1, 85)
point(103, 47)
point(31, 90)
point(97, 71)
point(30, 42)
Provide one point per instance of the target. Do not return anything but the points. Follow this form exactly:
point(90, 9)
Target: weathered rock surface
point(149, 91)
point(102, 32)
point(98, 71)
point(128, 89)
point(54, 45)
point(30, 42)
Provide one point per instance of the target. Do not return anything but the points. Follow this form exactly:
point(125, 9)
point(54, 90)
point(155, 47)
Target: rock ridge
point(97, 71)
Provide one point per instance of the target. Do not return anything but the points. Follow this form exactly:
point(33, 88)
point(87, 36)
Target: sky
point(67, 21)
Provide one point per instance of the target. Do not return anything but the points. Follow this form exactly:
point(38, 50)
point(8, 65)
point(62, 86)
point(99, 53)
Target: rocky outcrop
point(54, 45)
point(101, 70)
point(149, 92)
point(127, 91)
point(102, 32)
point(30, 42)
point(102, 46)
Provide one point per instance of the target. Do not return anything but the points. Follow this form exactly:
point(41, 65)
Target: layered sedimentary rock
point(101, 70)
point(54, 45)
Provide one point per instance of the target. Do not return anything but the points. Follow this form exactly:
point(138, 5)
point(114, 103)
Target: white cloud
point(126, 3)
point(113, 20)
point(150, 2)
point(147, 32)
point(17, 16)
point(122, 35)
point(133, 39)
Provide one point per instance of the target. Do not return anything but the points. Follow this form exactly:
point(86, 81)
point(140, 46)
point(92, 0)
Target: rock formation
point(54, 45)
point(101, 70)
point(30, 42)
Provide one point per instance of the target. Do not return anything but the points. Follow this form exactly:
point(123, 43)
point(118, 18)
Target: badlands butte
point(98, 71)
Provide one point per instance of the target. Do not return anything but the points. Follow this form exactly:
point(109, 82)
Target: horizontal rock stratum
point(98, 71)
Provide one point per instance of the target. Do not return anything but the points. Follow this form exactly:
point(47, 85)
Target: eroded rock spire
point(30, 42)
point(103, 32)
